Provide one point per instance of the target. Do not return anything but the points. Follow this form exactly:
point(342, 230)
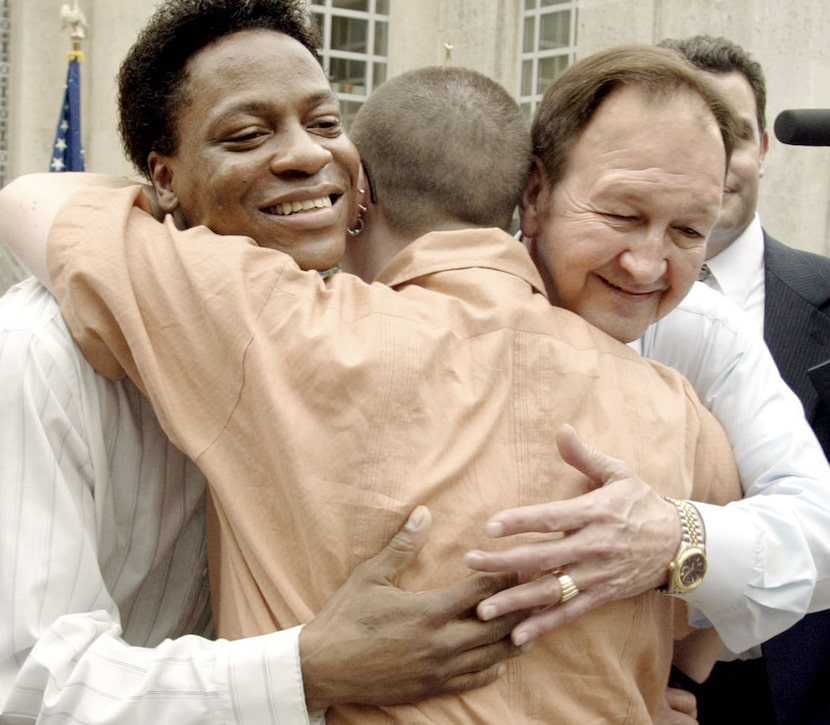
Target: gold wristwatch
point(687, 568)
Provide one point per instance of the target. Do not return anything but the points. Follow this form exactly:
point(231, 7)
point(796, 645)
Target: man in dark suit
point(797, 332)
point(786, 292)
point(797, 327)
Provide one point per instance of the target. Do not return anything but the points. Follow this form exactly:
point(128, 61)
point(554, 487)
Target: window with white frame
point(548, 46)
point(355, 37)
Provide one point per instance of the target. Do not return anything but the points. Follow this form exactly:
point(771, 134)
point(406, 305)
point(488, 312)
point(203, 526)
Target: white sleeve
point(81, 670)
point(69, 551)
point(768, 554)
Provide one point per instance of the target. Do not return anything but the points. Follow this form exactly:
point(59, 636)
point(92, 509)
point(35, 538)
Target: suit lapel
point(796, 331)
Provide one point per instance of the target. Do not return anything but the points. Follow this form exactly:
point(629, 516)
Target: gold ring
point(568, 588)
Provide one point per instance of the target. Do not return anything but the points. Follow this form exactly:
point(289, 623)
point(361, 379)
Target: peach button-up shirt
point(324, 411)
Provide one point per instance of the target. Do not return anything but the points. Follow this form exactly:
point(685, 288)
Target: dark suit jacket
point(797, 332)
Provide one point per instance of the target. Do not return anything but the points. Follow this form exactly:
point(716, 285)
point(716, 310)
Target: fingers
point(597, 466)
point(391, 561)
point(562, 515)
point(544, 597)
point(524, 558)
point(547, 591)
point(471, 670)
point(542, 592)
point(472, 680)
point(682, 701)
point(480, 666)
point(599, 538)
point(678, 707)
point(461, 598)
point(543, 517)
point(555, 616)
point(472, 634)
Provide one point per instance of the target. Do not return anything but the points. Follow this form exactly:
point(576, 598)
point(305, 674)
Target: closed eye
point(689, 233)
point(327, 126)
point(621, 218)
point(245, 138)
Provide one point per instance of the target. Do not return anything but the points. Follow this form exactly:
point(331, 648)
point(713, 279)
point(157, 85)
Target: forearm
point(87, 563)
point(80, 667)
point(768, 554)
point(764, 573)
point(28, 207)
point(139, 303)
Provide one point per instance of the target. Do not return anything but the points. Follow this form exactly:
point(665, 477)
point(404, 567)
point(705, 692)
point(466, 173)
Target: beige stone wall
point(788, 37)
point(484, 34)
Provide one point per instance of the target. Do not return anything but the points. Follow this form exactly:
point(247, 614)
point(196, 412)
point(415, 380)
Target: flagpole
point(68, 152)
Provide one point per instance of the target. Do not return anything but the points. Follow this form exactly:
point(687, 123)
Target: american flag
point(68, 154)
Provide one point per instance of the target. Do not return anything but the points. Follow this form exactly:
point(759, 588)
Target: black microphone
point(804, 127)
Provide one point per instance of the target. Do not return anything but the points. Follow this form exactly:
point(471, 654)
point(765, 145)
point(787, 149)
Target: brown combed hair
point(444, 144)
point(572, 99)
point(721, 55)
point(152, 80)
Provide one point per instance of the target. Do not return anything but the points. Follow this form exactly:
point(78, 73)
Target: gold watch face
point(690, 569)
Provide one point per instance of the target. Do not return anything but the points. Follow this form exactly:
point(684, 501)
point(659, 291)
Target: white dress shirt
point(769, 554)
point(738, 272)
point(103, 554)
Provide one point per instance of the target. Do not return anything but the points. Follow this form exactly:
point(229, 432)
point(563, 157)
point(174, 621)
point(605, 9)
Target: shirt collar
point(462, 249)
point(736, 268)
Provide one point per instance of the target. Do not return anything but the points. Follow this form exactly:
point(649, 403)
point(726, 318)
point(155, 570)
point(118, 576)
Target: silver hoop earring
point(360, 224)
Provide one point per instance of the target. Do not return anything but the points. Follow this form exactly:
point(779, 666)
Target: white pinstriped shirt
point(102, 554)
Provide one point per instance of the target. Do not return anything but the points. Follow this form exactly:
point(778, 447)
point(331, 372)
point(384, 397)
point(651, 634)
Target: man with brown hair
point(596, 236)
point(786, 293)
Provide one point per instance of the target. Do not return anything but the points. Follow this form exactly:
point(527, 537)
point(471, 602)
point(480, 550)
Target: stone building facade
point(520, 43)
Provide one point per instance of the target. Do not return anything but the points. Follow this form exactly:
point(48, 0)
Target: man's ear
point(534, 189)
point(763, 152)
point(161, 175)
point(365, 195)
point(362, 201)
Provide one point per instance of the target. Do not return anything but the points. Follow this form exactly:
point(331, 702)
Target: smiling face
point(621, 237)
point(262, 151)
point(746, 167)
